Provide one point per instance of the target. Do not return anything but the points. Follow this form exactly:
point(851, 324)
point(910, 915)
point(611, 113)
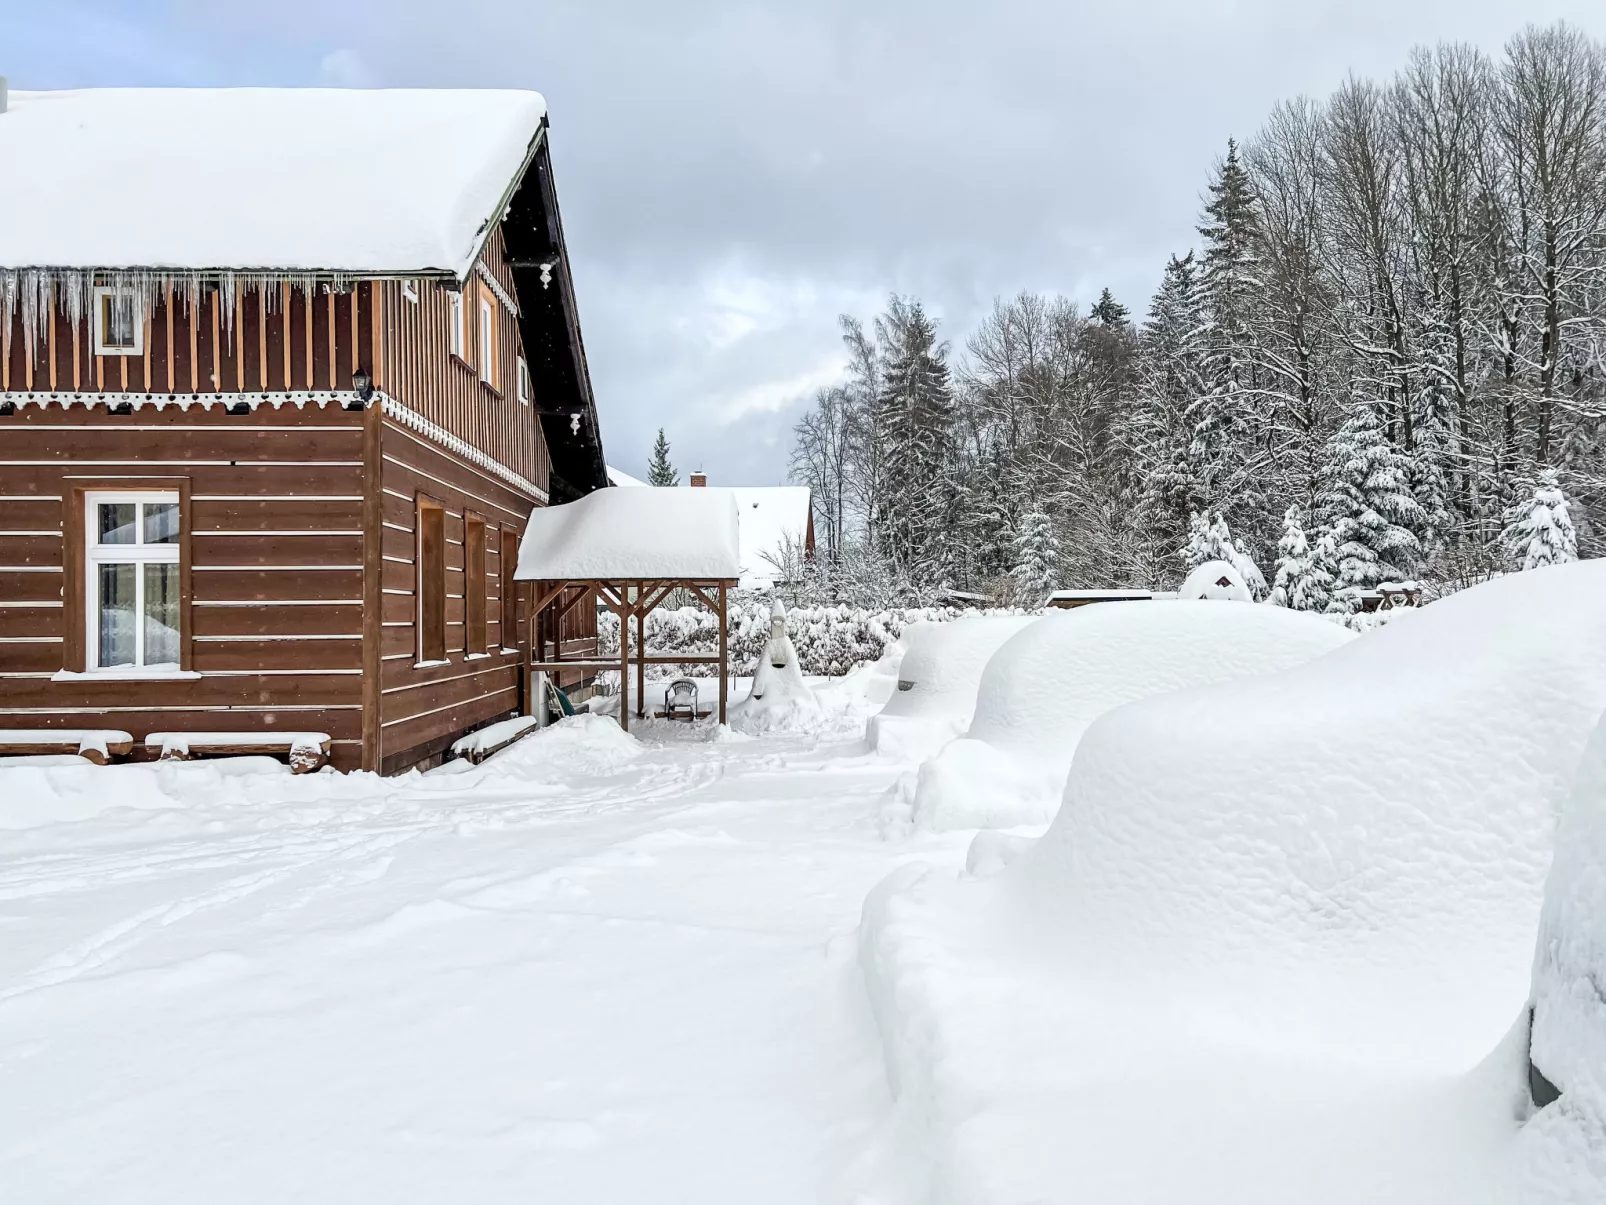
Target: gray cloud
point(735, 175)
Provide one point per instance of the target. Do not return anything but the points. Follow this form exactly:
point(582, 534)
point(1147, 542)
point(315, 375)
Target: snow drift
point(1267, 945)
point(1042, 689)
point(1562, 1149)
point(937, 682)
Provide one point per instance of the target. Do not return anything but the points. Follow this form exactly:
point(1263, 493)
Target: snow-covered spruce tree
point(1293, 555)
point(1156, 429)
point(913, 417)
point(1368, 506)
point(1107, 311)
point(1225, 415)
point(1246, 566)
point(659, 470)
point(1204, 544)
point(1313, 589)
point(1037, 554)
point(1539, 530)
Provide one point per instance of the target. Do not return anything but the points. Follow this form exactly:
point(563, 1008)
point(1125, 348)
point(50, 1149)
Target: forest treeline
point(1385, 347)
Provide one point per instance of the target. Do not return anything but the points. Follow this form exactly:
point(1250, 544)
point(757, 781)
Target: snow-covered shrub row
point(829, 640)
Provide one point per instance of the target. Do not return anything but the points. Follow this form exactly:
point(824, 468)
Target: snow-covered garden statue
point(1215, 580)
point(779, 698)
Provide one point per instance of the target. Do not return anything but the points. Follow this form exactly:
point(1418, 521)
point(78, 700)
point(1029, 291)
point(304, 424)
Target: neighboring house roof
point(633, 535)
point(767, 514)
point(620, 477)
point(395, 181)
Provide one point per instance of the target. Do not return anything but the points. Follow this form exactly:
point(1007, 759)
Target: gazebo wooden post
point(641, 652)
point(624, 657)
point(724, 655)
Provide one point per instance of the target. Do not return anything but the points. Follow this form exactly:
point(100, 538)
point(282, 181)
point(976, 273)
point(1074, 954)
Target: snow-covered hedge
point(829, 640)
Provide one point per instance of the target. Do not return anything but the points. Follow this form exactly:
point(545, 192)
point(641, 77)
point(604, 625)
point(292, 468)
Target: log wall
point(274, 613)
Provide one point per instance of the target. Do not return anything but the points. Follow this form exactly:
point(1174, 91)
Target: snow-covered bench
point(98, 745)
point(307, 751)
point(493, 738)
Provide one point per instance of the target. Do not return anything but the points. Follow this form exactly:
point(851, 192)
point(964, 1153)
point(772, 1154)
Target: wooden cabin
point(283, 374)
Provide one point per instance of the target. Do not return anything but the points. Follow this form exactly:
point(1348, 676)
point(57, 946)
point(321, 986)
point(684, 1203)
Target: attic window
point(524, 381)
point(119, 323)
point(459, 342)
point(410, 291)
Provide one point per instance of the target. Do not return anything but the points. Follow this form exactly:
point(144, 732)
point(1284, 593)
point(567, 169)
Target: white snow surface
point(1205, 582)
point(633, 535)
point(1045, 686)
point(1562, 1149)
point(1276, 944)
point(353, 180)
point(180, 742)
point(594, 969)
point(941, 667)
point(493, 735)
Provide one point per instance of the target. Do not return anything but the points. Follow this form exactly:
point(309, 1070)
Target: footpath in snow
point(590, 970)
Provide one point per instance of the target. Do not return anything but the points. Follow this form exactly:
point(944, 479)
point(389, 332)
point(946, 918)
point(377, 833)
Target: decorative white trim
point(66, 399)
point(438, 434)
point(495, 286)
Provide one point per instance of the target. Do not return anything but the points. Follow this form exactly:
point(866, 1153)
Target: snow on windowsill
point(475, 656)
point(431, 664)
point(132, 673)
point(510, 652)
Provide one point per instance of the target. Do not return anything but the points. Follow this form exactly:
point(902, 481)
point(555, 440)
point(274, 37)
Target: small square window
point(119, 323)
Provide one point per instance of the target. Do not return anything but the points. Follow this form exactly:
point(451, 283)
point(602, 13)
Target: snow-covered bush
point(829, 640)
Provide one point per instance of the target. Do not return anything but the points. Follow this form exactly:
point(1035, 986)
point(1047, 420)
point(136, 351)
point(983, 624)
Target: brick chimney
point(699, 479)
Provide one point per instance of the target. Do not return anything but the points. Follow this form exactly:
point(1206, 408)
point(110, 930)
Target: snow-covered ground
point(590, 970)
point(1277, 944)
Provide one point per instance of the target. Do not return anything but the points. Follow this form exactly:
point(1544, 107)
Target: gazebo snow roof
point(634, 535)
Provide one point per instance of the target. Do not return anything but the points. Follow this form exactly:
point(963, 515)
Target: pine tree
point(1246, 567)
point(1109, 312)
point(1313, 590)
point(1157, 430)
point(1204, 543)
point(913, 417)
point(1539, 531)
point(659, 470)
point(1036, 556)
point(1369, 508)
point(1223, 415)
point(1293, 558)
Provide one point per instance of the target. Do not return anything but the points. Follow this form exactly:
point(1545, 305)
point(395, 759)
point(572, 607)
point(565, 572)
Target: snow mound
point(1373, 827)
point(779, 700)
point(937, 682)
point(1043, 687)
point(1217, 581)
point(1561, 1153)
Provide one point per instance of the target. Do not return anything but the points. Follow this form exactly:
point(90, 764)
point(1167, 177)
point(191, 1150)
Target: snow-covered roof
point(272, 179)
point(768, 514)
point(622, 478)
point(633, 535)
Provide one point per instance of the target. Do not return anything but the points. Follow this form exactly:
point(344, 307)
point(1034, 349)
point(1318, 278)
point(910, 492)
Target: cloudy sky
point(735, 175)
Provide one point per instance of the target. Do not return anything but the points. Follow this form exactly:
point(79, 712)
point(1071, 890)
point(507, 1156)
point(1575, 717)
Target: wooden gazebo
point(631, 549)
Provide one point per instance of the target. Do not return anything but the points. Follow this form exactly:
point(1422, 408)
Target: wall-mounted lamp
point(363, 383)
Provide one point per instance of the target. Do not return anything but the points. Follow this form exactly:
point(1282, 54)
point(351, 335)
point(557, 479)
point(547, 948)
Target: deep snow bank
point(1265, 949)
point(1562, 1150)
point(1379, 819)
point(1047, 683)
point(937, 681)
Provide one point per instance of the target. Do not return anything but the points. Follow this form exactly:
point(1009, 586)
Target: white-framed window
point(410, 291)
point(459, 341)
point(487, 342)
point(119, 322)
point(132, 564)
point(524, 381)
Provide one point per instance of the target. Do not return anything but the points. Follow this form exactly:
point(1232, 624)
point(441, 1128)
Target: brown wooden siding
point(193, 352)
point(424, 708)
point(419, 370)
point(275, 548)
